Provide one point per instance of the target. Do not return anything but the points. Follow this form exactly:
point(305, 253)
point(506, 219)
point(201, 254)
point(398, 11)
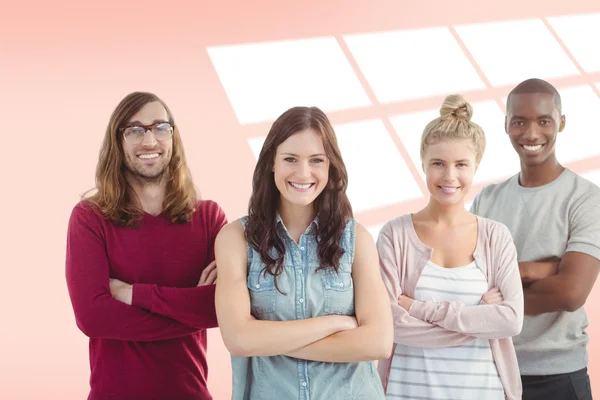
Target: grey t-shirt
point(548, 221)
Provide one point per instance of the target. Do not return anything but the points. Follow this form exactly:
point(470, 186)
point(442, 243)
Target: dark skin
point(550, 285)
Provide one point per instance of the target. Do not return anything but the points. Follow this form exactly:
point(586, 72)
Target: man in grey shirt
point(554, 217)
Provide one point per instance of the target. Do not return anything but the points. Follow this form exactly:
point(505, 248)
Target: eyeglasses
point(135, 134)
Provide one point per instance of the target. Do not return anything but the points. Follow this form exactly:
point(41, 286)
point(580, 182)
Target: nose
point(304, 170)
point(531, 133)
point(449, 174)
point(149, 140)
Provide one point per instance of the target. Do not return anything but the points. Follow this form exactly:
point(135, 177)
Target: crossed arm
point(329, 338)
point(97, 313)
point(428, 324)
point(102, 305)
point(553, 284)
point(558, 285)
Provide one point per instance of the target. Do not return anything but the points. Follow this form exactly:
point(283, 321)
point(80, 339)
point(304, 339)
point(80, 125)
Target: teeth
point(299, 186)
point(532, 148)
point(148, 156)
point(448, 189)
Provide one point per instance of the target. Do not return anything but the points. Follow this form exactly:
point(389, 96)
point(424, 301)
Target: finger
point(498, 299)
point(212, 277)
point(212, 265)
point(493, 300)
point(206, 271)
point(491, 297)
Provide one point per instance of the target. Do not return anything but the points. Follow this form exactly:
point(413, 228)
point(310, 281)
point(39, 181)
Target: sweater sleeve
point(97, 313)
point(409, 330)
point(488, 321)
point(194, 306)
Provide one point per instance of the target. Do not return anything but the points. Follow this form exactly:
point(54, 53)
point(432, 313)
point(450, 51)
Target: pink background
point(65, 65)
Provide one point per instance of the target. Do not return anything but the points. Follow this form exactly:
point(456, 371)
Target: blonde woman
point(452, 279)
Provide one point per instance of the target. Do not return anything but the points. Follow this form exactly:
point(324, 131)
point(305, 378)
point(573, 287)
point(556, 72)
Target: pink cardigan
point(402, 258)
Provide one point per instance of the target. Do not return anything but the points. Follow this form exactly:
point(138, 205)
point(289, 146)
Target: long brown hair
point(114, 196)
point(332, 206)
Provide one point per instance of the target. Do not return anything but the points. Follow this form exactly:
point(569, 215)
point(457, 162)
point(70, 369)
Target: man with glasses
point(140, 261)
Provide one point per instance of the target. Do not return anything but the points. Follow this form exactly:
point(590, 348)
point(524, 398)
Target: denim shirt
point(307, 293)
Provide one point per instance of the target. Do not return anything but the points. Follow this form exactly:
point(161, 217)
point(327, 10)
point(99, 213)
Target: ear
point(506, 124)
point(563, 122)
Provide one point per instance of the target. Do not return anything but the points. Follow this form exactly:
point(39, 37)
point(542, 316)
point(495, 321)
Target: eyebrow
point(312, 155)
point(439, 159)
point(138, 123)
point(545, 116)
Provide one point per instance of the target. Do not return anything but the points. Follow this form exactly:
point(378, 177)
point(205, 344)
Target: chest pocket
point(338, 291)
point(263, 294)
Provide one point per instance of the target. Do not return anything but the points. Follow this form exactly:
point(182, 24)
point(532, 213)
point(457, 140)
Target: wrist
point(141, 295)
point(127, 294)
point(525, 271)
point(338, 323)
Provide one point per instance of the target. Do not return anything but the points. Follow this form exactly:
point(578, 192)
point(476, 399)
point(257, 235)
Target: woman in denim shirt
point(300, 300)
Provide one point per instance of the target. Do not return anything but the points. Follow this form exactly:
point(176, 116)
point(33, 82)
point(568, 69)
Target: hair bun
point(455, 106)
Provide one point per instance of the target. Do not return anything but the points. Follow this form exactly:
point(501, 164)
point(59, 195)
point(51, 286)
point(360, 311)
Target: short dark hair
point(535, 85)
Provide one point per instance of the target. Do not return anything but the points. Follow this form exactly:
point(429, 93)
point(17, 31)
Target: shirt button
point(303, 383)
point(301, 300)
point(257, 286)
point(299, 271)
point(341, 284)
point(301, 248)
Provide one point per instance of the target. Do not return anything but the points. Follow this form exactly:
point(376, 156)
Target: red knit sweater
point(156, 347)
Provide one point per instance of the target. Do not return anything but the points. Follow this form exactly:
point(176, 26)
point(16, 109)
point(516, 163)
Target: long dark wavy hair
point(332, 206)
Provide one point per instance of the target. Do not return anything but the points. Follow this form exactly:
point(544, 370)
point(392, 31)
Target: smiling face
point(532, 123)
point(301, 168)
point(449, 167)
point(148, 160)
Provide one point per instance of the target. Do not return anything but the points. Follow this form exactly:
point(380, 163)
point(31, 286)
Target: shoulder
point(208, 208)
point(233, 231)
point(494, 232)
point(85, 210)
point(362, 233)
point(86, 218)
point(493, 189)
point(396, 227)
point(210, 215)
point(583, 189)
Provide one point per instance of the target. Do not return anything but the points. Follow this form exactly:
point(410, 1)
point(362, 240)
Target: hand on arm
point(209, 275)
point(373, 338)
point(493, 296)
point(567, 290)
point(242, 334)
point(541, 269)
point(193, 307)
point(123, 291)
